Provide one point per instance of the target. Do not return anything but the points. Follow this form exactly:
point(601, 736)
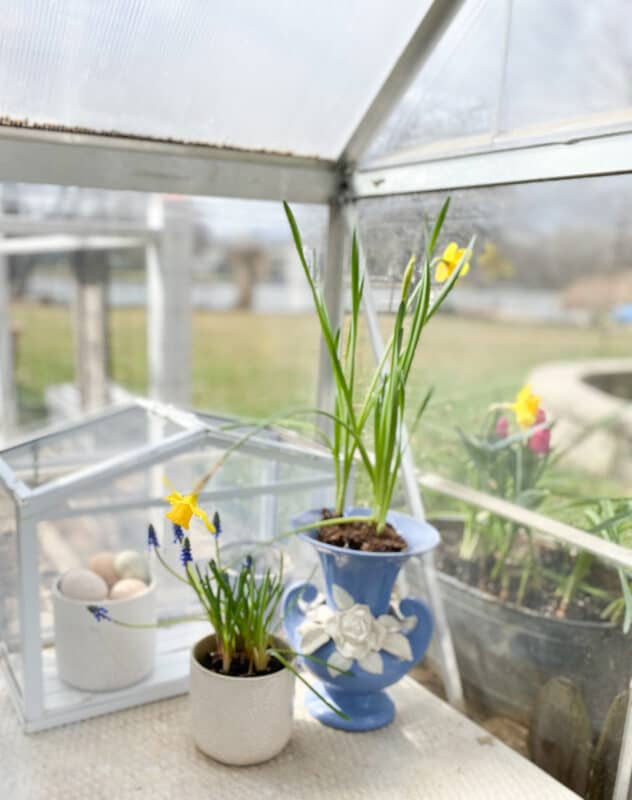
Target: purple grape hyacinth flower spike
point(152, 539)
point(186, 557)
point(100, 613)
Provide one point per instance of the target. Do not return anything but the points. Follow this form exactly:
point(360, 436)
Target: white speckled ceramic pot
point(240, 720)
point(101, 656)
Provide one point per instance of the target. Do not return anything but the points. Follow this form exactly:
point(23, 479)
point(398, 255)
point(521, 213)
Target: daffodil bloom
point(525, 407)
point(449, 261)
point(183, 507)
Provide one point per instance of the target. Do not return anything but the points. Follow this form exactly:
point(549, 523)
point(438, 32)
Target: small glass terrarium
point(77, 495)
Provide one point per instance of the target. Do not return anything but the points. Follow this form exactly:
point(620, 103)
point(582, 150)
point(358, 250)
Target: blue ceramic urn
point(359, 640)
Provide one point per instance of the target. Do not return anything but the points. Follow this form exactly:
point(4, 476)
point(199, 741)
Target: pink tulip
point(540, 441)
point(502, 427)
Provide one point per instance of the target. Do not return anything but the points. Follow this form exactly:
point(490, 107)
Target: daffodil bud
point(408, 276)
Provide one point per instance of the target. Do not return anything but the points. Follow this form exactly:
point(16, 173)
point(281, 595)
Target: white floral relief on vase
point(357, 634)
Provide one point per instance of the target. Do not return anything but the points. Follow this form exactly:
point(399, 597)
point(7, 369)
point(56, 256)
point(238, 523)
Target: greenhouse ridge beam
point(115, 162)
point(430, 30)
point(598, 155)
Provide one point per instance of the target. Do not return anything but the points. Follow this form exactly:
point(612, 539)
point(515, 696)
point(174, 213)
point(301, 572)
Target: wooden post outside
point(168, 262)
point(91, 329)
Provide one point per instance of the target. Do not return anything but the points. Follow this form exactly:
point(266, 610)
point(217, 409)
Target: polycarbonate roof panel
point(281, 76)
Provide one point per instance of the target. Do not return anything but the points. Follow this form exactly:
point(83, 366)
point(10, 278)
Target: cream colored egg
point(83, 584)
point(103, 564)
point(127, 587)
point(131, 564)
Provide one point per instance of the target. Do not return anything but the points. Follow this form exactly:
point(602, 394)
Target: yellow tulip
point(526, 407)
point(449, 261)
point(183, 507)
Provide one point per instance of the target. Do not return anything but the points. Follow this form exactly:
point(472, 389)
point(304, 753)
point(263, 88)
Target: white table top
point(429, 753)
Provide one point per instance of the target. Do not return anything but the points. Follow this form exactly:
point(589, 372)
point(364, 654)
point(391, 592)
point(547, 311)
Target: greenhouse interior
point(316, 399)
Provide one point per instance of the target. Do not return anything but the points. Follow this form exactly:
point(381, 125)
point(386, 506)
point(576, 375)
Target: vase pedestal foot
point(366, 712)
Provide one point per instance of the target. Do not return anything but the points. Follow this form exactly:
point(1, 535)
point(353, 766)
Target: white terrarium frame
point(44, 701)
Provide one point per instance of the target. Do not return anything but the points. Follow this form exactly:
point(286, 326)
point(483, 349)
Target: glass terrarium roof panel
point(282, 76)
point(55, 455)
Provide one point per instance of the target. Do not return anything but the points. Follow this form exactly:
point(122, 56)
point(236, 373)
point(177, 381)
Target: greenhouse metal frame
point(72, 155)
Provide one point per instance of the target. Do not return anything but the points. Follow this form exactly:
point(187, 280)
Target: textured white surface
point(429, 753)
point(240, 721)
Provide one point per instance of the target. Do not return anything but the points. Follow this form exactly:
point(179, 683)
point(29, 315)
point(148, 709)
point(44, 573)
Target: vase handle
point(294, 598)
point(419, 637)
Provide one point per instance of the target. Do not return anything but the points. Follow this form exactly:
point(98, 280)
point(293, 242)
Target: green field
point(258, 364)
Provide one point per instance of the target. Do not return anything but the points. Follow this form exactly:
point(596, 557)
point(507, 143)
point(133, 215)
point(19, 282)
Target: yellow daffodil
point(183, 507)
point(449, 261)
point(525, 407)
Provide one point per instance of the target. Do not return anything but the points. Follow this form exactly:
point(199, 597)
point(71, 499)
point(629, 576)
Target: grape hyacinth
point(100, 613)
point(152, 539)
point(178, 534)
point(185, 554)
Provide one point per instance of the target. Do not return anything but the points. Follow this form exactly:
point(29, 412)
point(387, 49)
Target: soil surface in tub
point(239, 667)
point(361, 536)
point(543, 598)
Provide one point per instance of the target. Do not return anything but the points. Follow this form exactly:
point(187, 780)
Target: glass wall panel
point(254, 338)
point(568, 64)
point(515, 71)
point(546, 305)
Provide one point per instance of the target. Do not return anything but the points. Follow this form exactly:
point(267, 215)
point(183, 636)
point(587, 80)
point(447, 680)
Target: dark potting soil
point(361, 536)
point(239, 667)
point(544, 599)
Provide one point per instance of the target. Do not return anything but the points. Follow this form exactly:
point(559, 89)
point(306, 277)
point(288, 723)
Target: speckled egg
point(131, 564)
point(103, 564)
point(83, 584)
point(126, 588)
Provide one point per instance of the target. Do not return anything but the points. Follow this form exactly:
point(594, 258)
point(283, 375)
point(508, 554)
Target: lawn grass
point(257, 364)
point(260, 364)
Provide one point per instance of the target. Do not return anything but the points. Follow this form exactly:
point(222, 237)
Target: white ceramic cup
point(102, 656)
point(239, 720)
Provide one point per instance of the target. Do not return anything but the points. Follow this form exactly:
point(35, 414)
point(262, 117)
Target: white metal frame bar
point(8, 392)
point(435, 22)
point(606, 551)
point(16, 225)
point(30, 627)
point(598, 155)
point(116, 162)
point(334, 297)
point(272, 487)
point(66, 243)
